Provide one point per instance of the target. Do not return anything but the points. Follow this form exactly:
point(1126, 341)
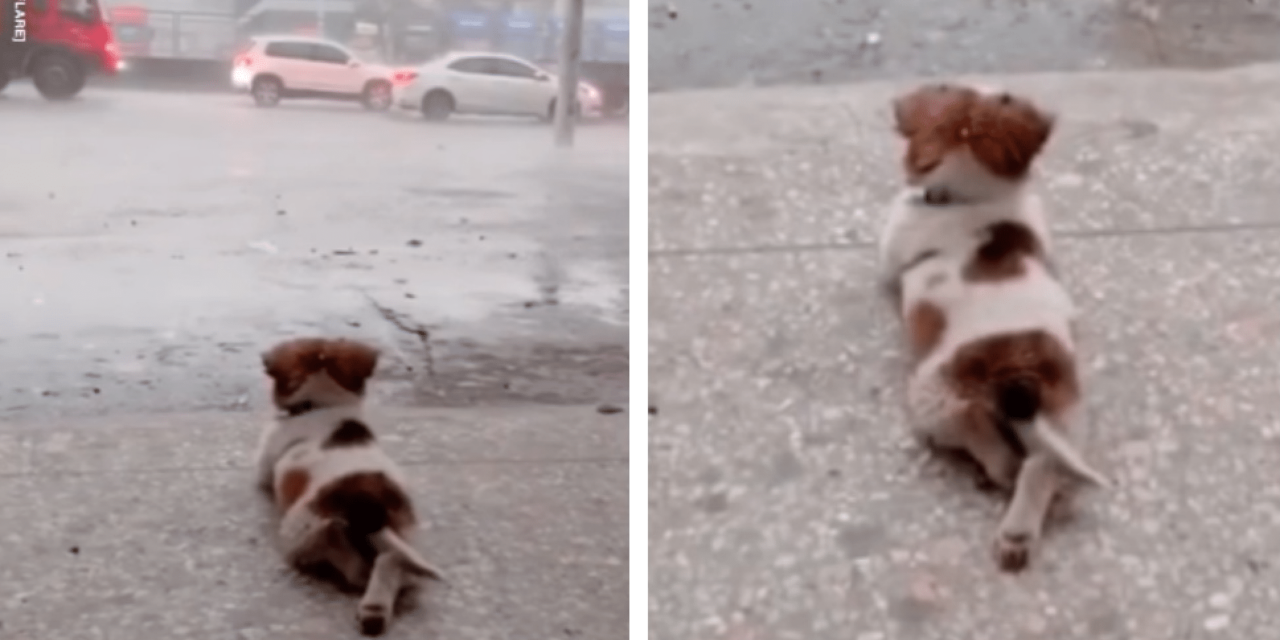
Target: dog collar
point(939, 197)
point(299, 408)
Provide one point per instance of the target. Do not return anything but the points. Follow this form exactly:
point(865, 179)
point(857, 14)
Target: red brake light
point(403, 77)
point(244, 61)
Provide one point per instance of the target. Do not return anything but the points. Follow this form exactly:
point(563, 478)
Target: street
point(787, 498)
point(742, 43)
point(156, 243)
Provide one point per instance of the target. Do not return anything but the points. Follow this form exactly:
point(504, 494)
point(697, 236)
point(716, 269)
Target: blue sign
point(469, 23)
point(524, 34)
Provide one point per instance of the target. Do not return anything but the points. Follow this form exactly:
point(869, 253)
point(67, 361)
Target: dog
point(965, 256)
point(342, 500)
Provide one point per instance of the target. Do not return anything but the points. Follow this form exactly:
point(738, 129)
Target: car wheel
point(266, 91)
point(377, 96)
point(437, 105)
point(57, 77)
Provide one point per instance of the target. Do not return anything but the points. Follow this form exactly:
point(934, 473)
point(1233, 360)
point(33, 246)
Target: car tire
point(376, 96)
point(57, 77)
point(437, 105)
point(267, 91)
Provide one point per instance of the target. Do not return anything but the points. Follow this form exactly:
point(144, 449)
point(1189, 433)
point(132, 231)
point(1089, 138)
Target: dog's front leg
point(265, 462)
point(1023, 522)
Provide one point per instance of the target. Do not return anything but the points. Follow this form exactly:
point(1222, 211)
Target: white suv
point(275, 67)
point(485, 83)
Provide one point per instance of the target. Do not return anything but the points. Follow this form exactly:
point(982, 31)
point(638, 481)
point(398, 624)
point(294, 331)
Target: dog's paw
point(373, 619)
point(1013, 550)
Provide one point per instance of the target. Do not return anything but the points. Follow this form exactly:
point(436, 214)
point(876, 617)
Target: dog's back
point(999, 283)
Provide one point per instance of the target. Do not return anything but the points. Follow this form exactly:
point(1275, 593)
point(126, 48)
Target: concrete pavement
point(149, 525)
point(786, 498)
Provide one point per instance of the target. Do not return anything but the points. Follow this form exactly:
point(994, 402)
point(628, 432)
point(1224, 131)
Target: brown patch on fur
point(926, 324)
point(980, 368)
point(350, 433)
point(366, 502)
point(292, 486)
point(1003, 132)
point(1002, 255)
point(348, 362)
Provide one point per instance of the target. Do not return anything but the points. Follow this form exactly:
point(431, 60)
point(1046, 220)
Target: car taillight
point(404, 77)
point(244, 61)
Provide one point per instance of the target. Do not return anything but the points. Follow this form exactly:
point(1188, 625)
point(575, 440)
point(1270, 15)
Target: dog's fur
point(965, 257)
point(342, 500)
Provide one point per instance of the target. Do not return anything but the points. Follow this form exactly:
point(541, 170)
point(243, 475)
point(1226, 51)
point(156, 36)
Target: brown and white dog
point(965, 254)
point(342, 499)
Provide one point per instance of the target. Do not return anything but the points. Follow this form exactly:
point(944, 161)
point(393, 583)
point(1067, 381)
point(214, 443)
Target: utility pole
point(570, 52)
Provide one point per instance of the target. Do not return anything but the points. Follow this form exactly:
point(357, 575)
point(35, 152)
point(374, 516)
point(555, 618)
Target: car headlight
point(588, 93)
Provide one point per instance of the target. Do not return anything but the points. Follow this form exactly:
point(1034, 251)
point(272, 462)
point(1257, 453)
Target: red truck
point(57, 43)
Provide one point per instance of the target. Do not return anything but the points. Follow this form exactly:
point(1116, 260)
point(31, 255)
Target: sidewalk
point(786, 498)
point(150, 527)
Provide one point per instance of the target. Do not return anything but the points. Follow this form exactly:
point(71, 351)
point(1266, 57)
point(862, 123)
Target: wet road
point(720, 43)
point(154, 244)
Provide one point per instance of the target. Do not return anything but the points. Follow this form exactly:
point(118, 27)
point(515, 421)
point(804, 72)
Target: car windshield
point(82, 9)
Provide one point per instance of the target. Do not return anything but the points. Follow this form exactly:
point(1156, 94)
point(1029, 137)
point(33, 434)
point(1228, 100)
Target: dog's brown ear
point(1009, 133)
point(931, 106)
point(294, 359)
point(350, 363)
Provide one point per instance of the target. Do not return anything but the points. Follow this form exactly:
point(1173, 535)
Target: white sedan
point(485, 83)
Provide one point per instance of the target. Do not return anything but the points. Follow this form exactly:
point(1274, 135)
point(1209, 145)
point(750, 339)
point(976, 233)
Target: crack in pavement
point(403, 322)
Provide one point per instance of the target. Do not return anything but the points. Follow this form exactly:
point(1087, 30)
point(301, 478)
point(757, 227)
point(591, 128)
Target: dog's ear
point(290, 362)
point(931, 106)
point(1009, 133)
point(350, 363)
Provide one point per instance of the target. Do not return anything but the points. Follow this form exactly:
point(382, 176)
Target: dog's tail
point(365, 507)
point(388, 541)
point(1024, 427)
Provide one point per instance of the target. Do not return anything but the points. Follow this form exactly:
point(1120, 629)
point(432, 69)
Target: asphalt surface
point(734, 43)
point(787, 499)
point(155, 244)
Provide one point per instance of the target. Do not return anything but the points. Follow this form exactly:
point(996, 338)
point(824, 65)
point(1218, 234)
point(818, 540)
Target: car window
point(513, 69)
point(329, 54)
point(472, 65)
point(79, 8)
point(293, 50)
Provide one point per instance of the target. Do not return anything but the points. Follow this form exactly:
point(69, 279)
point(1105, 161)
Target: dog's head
point(957, 136)
point(322, 371)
